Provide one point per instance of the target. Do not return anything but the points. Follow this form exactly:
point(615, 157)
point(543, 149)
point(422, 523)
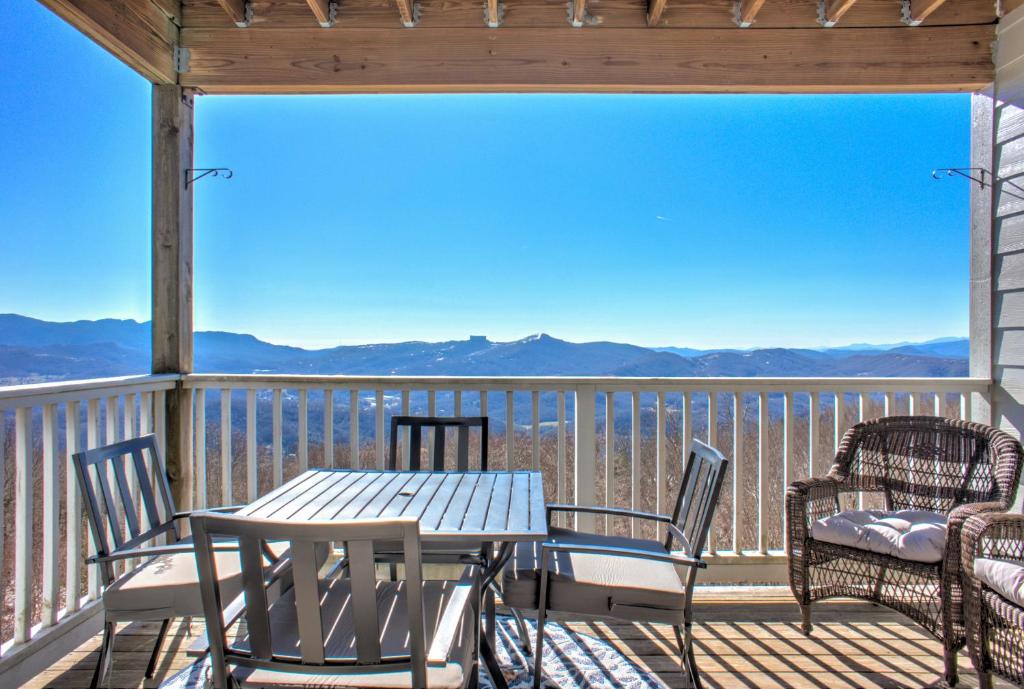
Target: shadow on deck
point(746, 638)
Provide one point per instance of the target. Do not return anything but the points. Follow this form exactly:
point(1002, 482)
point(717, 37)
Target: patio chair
point(933, 473)
point(439, 424)
point(327, 631)
point(165, 584)
point(993, 564)
point(625, 578)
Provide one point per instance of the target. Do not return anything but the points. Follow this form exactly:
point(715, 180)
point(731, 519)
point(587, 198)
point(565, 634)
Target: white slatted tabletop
point(493, 506)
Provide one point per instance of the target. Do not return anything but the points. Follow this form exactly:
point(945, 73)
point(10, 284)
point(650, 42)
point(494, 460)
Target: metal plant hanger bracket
point(983, 177)
point(191, 177)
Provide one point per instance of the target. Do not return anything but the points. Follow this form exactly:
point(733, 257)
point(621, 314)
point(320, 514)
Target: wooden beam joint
point(745, 12)
point(914, 12)
point(831, 11)
point(240, 11)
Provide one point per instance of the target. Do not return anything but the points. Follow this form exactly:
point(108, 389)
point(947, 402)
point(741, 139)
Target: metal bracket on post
point(823, 15)
point(983, 177)
point(191, 177)
point(737, 15)
point(181, 57)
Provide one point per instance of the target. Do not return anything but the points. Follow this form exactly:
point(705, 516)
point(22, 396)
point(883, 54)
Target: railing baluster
point(51, 514)
point(713, 442)
point(609, 454)
point(303, 429)
point(839, 421)
point(915, 404)
point(73, 509)
point(200, 450)
point(762, 472)
point(23, 575)
point(251, 475)
point(483, 412)
point(92, 440)
point(687, 425)
point(277, 433)
point(660, 458)
point(561, 458)
point(814, 433)
point(585, 408)
point(510, 427)
point(329, 428)
point(353, 430)
point(378, 434)
point(965, 406)
point(739, 472)
point(535, 427)
point(160, 419)
point(457, 400)
point(406, 437)
point(431, 411)
point(863, 400)
point(634, 459)
point(226, 487)
point(890, 404)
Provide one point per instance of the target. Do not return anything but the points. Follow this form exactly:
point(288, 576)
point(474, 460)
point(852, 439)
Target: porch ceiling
point(532, 45)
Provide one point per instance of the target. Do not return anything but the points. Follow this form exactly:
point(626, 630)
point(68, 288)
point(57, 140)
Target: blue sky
point(684, 220)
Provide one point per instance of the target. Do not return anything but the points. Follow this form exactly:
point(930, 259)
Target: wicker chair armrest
point(954, 529)
point(992, 534)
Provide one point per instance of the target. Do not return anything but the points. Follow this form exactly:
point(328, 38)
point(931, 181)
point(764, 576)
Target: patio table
point(466, 511)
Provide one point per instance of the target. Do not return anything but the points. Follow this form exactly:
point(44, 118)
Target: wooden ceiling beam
point(746, 11)
point(137, 32)
point(239, 11)
point(831, 11)
point(324, 11)
point(408, 10)
point(914, 12)
point(655, 8)
point(343, 60)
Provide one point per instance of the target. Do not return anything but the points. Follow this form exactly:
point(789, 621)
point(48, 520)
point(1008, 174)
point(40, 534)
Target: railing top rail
point(13, 396)
point(599, 383)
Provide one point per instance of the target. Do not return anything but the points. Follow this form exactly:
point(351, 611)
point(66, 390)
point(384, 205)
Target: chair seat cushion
point(1005, 577)
point(593, 584)
point(915, 535)
point(168, 586)
point(340, 641)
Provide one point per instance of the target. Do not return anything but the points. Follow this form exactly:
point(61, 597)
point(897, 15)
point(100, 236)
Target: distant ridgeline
point(32, 350)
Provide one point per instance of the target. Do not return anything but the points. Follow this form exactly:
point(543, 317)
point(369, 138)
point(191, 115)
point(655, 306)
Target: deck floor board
point(746, 638)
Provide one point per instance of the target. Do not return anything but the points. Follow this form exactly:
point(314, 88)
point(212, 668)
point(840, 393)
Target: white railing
point(789, 429)
point(41, 426)
point(251, 433)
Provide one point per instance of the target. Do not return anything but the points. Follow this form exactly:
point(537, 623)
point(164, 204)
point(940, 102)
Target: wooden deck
point(747, 638)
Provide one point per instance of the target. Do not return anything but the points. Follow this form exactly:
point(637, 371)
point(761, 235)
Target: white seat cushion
point(1005, 577)
point(916, 535)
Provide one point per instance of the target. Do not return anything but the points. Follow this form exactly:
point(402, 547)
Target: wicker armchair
point(955, 468)
point(995, 624)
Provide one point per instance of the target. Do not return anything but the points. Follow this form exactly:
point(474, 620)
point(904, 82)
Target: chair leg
point(687, 659)
point(805, 613)
point(950, 676)
point(524, 635)
point(103, 663)
point(538, 658)
point(984, 680)
point(161, 635)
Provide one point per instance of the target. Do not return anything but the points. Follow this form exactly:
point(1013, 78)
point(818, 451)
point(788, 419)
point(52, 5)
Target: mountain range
point(33, 350)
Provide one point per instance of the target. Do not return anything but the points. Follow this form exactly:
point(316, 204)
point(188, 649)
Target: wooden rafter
point(493, 10)
point(323, 11)
point(578, 10)
point(746, 11)
point(240, 11)
point(655, 8)
point(831, 11)
point(407, 9)
point(916, 11)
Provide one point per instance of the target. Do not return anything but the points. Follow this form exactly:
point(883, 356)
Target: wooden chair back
point(256, 648)
point(698, 497)
point(126, 502)
point(439, 424)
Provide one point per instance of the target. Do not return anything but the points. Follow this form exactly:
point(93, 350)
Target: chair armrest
point(614, 511)
point(954, 530)
point(620, 551)
point(807, 500)
point(175, 549)
point(992, 534)
point(226, 509)
point(454, 612)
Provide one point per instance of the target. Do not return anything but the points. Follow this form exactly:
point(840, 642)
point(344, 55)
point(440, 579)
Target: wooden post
point(172, 272)
point(981, 317)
